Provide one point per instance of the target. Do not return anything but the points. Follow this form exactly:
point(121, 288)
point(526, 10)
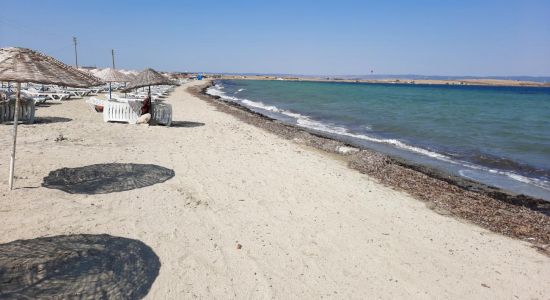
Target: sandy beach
point(249, 214)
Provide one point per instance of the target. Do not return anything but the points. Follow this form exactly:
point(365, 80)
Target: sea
point(499, 136)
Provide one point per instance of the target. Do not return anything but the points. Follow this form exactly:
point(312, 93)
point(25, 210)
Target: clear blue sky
point(302, 37)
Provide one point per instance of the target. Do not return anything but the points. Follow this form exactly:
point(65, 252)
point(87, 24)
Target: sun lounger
point(26, 110)
point(94, 91)
point(162, 113)
point(93, 102)
point(49, 95)
point(76, 93)
point(57, 96)
point(114, 111)
point(39, 100)
point(128, 109)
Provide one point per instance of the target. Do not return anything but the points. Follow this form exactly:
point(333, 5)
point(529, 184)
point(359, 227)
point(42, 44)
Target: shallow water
point(496, 135)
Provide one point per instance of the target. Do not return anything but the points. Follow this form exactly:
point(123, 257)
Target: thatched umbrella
point(26, 65)
point(130, 74)
point(148, 77)
point(111, 75)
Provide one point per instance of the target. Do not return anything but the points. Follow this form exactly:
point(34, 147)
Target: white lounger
point(26, 112)
point(75, 93)
point(119, 112)
point(130, 111)
point(93, 102)
point(49, 95)
point(162, 113)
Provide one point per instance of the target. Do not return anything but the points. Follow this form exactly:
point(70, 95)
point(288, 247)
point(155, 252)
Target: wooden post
point(15, 121)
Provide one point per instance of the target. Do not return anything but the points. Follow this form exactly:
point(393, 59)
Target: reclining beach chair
point(26, 110)
point(77, 93)
point(93, 102)
point(130, 110)
point(37, 99)
point(114, 111)
point(162, 113)
point(49, 95)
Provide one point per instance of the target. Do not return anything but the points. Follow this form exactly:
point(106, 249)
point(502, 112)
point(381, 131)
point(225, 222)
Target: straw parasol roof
point(26, 65)
point(148, 77)
point(132, 76)
point(87, 71)
point(112, 75)
point(95, 71)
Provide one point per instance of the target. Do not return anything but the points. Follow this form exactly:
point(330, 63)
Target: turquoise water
point(497, 135)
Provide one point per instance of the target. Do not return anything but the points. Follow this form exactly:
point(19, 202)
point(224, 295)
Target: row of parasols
point(21, 65)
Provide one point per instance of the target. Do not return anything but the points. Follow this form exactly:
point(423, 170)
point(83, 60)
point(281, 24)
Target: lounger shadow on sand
point(77, 267)
point(47, 120)
point(106, 178)
point(186, 124)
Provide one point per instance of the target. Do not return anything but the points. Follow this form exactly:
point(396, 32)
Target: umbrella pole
point(109, 90)
point(15, 121)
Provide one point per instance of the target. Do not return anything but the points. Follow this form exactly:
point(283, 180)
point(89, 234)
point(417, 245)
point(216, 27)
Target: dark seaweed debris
point(516, 216)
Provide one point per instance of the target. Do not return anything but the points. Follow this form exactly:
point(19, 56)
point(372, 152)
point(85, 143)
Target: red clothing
point(146, 106)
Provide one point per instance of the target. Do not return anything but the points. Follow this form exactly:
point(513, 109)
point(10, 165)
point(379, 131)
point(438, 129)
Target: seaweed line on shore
point(518, 216)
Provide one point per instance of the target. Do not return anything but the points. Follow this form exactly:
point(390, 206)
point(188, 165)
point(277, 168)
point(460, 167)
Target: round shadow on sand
point(77, 267)
point(106, 178)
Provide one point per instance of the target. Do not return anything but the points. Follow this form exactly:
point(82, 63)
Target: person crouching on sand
point(145, 111)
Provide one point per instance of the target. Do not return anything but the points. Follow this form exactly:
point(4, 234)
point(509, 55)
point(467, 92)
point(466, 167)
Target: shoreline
point(518, 216)
point(399, 81)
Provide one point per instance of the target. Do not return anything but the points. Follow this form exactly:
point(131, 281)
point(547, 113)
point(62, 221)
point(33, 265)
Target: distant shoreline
point(406, 81)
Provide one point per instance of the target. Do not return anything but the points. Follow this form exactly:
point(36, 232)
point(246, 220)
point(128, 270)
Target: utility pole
point(113, 55)
point(75, 52)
